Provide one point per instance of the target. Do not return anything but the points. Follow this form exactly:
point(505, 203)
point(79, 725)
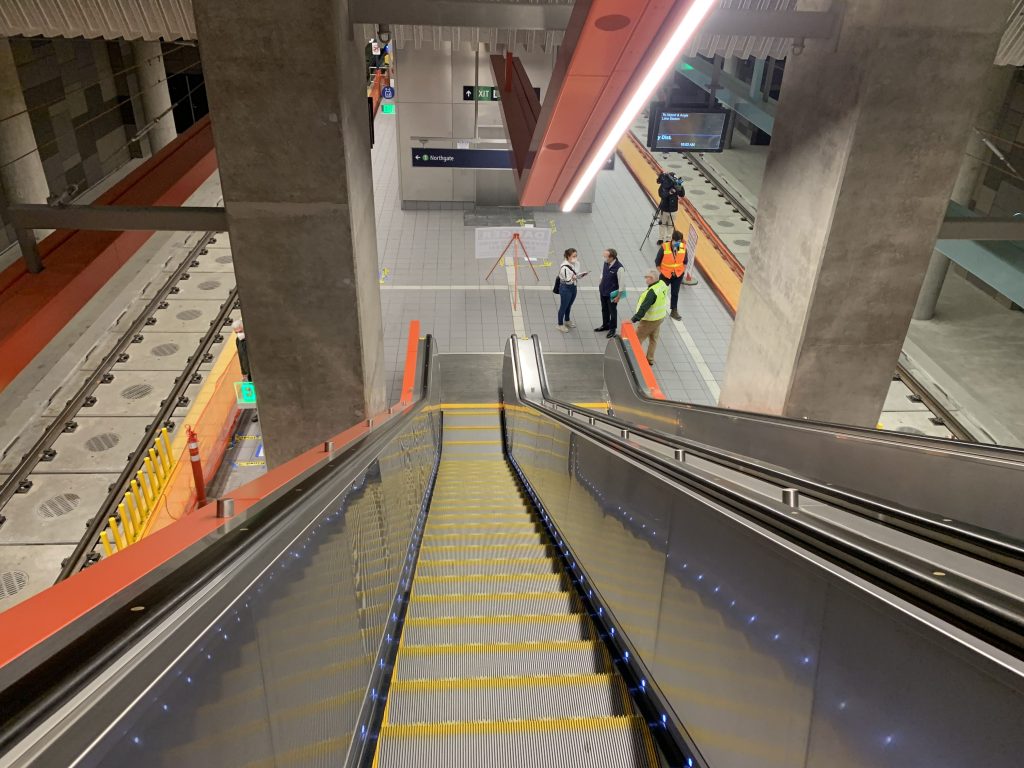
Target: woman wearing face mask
point(671, 261)
point(568, 274)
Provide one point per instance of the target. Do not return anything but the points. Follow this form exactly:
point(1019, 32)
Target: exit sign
point(486, 93)
point(245, 393)
point(387, 109)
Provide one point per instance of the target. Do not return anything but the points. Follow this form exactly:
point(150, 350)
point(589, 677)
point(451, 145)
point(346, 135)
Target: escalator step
point(538, 566)
point(524, 524)
point(510, 604)
point(489, 539)
point(496, 629)
point(486, 585)
point(506, 698)
point(502, 660)
point(481, 552)
point(612, 742)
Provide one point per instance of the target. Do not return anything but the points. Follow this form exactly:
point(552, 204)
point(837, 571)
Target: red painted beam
point(77, 263)
point(608, 48)
point(520, 109)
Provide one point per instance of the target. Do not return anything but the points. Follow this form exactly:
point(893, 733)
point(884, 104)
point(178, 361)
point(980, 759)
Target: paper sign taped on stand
point(491, 241)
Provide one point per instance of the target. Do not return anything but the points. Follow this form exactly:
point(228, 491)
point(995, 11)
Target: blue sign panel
point(461, 158)
point(387, 92)
point(471, 158)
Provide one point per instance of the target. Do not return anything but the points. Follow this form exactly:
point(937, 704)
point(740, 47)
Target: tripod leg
point(500, 258)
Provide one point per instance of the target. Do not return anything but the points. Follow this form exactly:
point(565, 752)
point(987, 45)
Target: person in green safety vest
point(651, 310)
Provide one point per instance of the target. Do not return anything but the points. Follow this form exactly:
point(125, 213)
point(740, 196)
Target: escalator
point(496, 581)
point(497, 655)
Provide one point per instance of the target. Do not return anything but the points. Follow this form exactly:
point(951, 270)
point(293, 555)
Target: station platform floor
point(970, 356)
point(429, 273)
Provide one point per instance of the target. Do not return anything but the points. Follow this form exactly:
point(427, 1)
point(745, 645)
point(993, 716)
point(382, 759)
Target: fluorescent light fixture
point(676, 42)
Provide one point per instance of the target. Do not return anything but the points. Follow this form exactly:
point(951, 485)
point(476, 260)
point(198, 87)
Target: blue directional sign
point(461, 158)
point(471, 158)
point(387, 92)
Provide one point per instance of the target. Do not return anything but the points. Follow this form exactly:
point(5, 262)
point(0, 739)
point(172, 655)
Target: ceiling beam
point(461, 13)
point(804, 25)
point(982, 228)
point(118, 218)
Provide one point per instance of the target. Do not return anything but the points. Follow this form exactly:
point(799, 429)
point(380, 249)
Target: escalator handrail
point(921, 442)
point(975, 541)
point(36, 683)
point(995, 617)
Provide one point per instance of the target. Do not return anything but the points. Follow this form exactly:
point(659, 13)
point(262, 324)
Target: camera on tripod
point(669, 179)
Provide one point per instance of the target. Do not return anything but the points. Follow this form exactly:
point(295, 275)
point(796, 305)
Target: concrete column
point(21, 169)
point(867, 144)
point(972, 170)
point(156, 99)
point(287, 98)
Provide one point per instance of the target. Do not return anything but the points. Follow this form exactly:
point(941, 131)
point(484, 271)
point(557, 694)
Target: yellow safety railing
point(140, 500)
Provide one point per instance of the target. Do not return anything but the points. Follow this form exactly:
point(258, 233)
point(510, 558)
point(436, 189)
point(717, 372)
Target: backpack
point(558, 280)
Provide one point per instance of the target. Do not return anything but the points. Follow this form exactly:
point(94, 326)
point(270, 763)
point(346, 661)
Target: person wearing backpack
point(565, 285)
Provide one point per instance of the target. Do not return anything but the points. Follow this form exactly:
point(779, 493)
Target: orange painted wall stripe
point(411, 351)
point(717, 263)
point(646, 372)
point(77, 263)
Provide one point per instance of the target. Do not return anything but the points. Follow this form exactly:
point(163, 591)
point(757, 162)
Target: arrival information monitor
point(691, 131)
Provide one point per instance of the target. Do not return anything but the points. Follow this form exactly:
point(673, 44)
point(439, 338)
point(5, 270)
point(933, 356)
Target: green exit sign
point(245, 393)
point(387, 109)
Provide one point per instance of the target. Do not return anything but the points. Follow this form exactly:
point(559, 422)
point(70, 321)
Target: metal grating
point(189, 314)
point(136, 391)
point(164, 350)
point(225, 259)
point(12, 582)
point(102, 442)
point(209, 285)
point(59, 505)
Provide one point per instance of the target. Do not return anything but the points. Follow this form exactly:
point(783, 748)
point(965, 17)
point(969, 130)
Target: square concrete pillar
point(868, 140)
point(287, 93)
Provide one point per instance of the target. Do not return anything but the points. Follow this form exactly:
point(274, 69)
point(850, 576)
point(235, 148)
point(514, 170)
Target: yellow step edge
point(542, 725)
point(542, 550)
point(502, 560)
point(472, 426)
point(512, 681)
point(529, 618)
point(482, 577)
point(542, 645)
point(549, 595)
point(486, 407)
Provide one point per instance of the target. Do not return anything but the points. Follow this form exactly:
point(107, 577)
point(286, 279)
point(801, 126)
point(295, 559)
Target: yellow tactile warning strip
point(496, 657)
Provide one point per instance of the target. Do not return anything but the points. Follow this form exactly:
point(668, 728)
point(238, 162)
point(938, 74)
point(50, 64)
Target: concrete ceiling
point(533, 24)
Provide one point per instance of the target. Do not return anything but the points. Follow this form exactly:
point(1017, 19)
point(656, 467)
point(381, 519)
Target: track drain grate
point(209, 285)
point(189, 314)
point(102, 442)
point(59, 505)
point(225, 259)
point(163, 350)
point(136, 391)
point(12, 582)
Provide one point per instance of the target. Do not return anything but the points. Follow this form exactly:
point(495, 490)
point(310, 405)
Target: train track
point(174, 300)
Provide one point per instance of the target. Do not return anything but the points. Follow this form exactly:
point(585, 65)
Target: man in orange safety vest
point(671, 261)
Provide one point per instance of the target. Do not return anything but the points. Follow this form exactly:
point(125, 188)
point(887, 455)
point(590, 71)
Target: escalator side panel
point(978, 485)
point(281, 677)
point(766, 655)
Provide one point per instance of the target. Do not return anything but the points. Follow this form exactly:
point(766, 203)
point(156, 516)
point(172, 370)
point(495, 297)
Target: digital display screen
point(689, 130)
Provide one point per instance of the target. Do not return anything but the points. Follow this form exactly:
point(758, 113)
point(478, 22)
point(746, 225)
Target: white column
point(156, 99)
point(21, 170)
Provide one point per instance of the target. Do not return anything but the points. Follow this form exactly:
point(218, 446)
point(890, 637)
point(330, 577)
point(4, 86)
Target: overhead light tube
point(664, 61)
